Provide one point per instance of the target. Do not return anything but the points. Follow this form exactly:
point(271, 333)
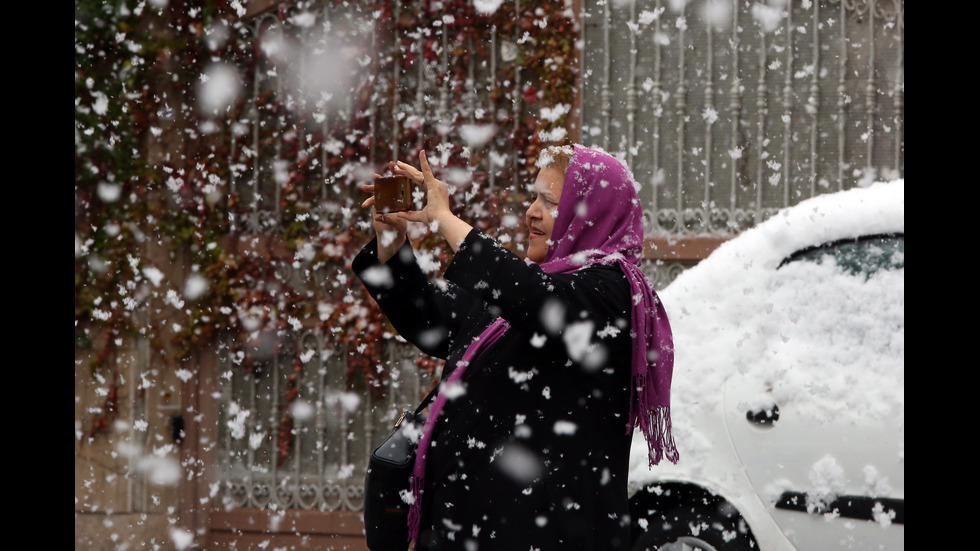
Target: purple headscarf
point(600, 221)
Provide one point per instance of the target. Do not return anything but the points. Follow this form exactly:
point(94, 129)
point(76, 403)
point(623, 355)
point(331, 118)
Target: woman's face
point(540, 216)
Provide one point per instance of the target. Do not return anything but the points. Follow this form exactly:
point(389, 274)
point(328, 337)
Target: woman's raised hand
point(436, 213)
point(391, 230)
point(436, 192)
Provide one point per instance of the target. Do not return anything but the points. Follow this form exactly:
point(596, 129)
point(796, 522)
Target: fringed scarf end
point(659, 436)
point(655, 423)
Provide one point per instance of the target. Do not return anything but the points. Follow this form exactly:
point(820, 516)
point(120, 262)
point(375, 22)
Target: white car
point(788, 397)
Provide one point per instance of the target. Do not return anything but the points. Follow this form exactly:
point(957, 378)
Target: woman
point(550, 362)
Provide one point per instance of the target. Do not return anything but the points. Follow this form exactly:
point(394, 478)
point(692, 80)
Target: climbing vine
point(167, 191)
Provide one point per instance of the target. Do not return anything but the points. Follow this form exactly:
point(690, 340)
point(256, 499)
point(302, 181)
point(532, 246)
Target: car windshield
point(864, 255)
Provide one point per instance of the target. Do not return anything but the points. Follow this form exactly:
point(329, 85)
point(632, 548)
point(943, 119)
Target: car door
point(816, 414)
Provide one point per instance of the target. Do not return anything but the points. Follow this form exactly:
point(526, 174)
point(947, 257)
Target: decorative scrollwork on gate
point(719, 220)
point(694, 220)
point(236, 495)
point(260, 495)
point(668, 220)
point(333, 496)
point(306, 496)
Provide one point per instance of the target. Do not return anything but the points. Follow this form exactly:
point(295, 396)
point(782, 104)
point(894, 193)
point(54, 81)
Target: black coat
point(535, 453)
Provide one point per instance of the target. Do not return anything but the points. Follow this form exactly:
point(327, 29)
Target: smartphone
point(392, 194)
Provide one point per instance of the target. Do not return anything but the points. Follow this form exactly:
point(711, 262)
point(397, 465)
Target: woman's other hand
point(391, 230)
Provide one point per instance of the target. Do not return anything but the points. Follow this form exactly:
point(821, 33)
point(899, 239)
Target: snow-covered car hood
point(801, 332)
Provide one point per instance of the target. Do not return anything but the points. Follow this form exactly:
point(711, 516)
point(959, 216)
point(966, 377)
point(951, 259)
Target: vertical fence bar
point(899, 92)
point(301, 100)
point(254, 204)
point(233, 180)
point(492, 85)
point(841, 99)
point(813, 101)
point(869, 91)
point(373, 115)
point(310, 393)
point(274, 372)
point(228, 394)
point(470, 86)
point(443, 108)
point(251, 380)
point(658, 108)
point(472, 100)
point(320, 425)
point(787, 105)
point(278, 131)
point(680, 105)
point(709, 106)
point(419, 90)
point(369, 427)
point(339, 451)
point(295, 489)
point(325, 132)
point(395, 82)
point(345, 451)
point(631, 88)
point(516, 105)
point(139, 412)
point(761, 112)
point(735, 110)
point(605, 95)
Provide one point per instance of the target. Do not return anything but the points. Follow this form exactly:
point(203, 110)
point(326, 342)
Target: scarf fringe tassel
point(654, 422)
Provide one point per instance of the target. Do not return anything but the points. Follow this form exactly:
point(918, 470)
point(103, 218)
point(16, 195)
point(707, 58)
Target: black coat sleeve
point(536, 302)
point(427, 314)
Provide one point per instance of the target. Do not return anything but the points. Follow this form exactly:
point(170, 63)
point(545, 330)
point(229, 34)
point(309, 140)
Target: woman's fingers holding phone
point(368, 188)
point(403, 168)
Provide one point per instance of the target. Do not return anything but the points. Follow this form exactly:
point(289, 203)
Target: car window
point(863, 255)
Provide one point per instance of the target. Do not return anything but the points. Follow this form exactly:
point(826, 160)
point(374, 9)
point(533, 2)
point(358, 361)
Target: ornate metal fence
point(729, 110)
point(292, 435)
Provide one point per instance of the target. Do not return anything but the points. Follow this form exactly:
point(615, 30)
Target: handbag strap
point(425, 402)
point(428, 398)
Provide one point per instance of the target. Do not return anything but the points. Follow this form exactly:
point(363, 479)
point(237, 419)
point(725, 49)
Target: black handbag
point(388, 478)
